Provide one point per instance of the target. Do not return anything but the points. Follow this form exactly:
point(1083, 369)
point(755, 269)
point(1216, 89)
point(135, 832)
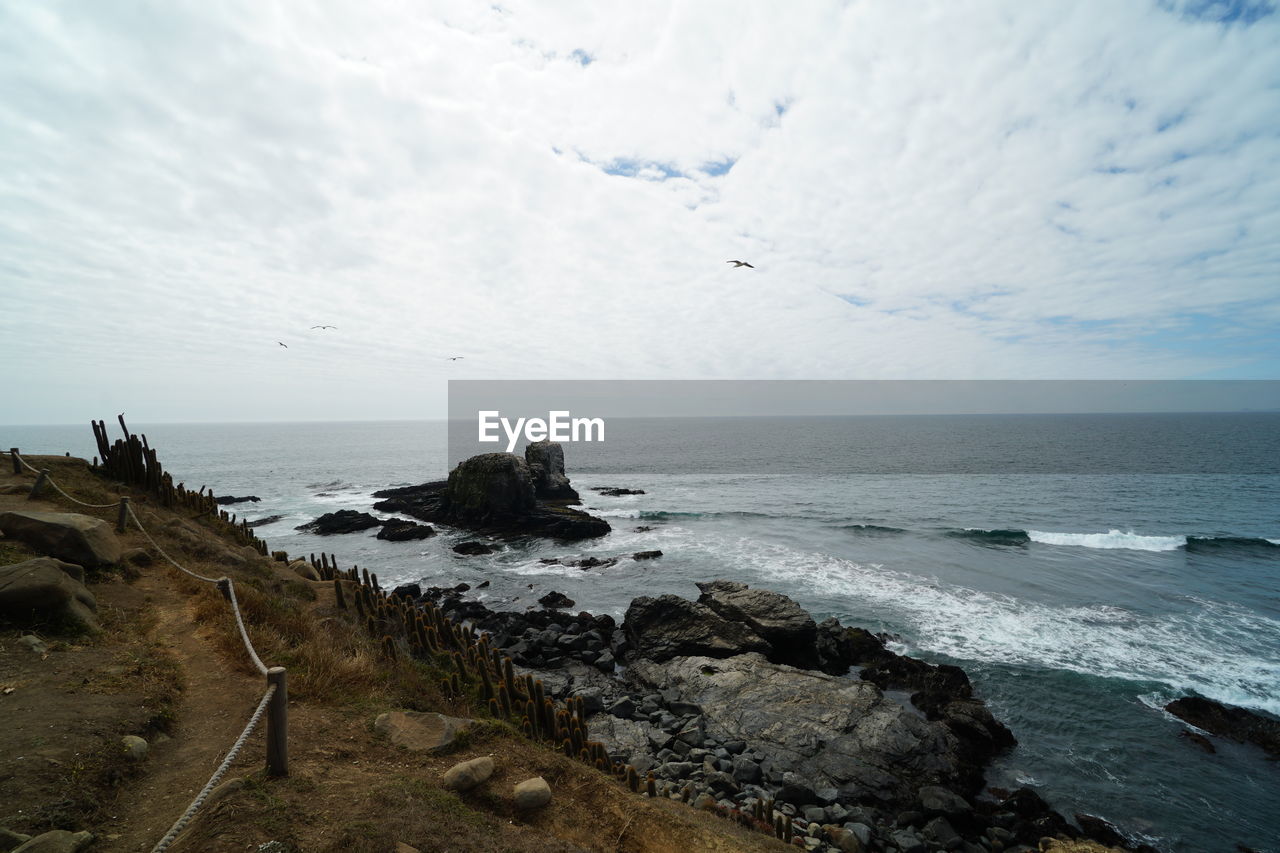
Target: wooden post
point(123, 518)
point(39, 484)
point(278, 724)
point(17, 464)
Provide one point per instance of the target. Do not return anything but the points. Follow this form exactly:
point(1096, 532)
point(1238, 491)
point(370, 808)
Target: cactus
point(651, 787)
point(527, 728)
point(337, 594)
point(359, 599)
point(786, 828)
point(388, 647)
point(366, 577)
point(633, 780)
point(494, 710)
point(456, 684)
point(486, 683)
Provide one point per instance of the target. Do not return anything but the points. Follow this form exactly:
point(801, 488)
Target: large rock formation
point(546, 468)
point(832, 732)
point(669, 626)
point(47, 591)
point(342, 521)
point(492, 493)
point(1238, 724)
point(80, 539)
point(790, 632)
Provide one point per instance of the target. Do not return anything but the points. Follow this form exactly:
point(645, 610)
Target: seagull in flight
point(737, 264)
point(286, 346)
point(324, 327)
point(454, 357)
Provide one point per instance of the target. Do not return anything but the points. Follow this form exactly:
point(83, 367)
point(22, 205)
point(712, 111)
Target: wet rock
point(641, 529)
point(79, 539)
point(473, 549)
point(616, 492)
point(466, 775)
point(342, 521)
point(1199, 740)
point(1098, 829)
point(789, 630)
point(263, 522)
point(401, 530)
point(556, 599)
point(225, 500)
point(646, 555)
point(668, 626)
point(936, 800)
point(410, 591)
point(1238, 724)
point(546, 468)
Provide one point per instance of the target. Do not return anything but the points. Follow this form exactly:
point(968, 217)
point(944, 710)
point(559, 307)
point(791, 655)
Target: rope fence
point(274, 702)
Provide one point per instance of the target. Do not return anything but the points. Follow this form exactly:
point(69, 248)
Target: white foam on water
point(1111, 539)
point(1216, 649)
point(1274, 541)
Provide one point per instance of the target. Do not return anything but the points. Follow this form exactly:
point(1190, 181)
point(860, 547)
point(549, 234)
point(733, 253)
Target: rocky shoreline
point(740, 703)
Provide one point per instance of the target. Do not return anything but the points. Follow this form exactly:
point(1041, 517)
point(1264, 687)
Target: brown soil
point(170, 662)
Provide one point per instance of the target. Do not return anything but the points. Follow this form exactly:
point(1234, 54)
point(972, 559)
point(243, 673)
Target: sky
point(988, 190)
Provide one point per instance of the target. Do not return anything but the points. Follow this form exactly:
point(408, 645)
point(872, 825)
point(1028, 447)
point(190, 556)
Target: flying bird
point(737, 264)
point(324, 327)
point(286, 346)
point(454, 357)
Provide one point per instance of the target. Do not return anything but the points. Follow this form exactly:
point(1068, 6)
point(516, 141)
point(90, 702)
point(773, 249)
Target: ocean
point(1083, 569)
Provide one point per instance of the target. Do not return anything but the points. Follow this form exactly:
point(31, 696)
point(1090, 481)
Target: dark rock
point(1099, 830)
point(1238, 724)
point(590, 563)
point(788, 629)
point(70, 536)
point(342, 521)
point(641, 529)
point(473, 548)
point(669, 626)
point(1199, 740)
point(546, 468)
point(556, 600)
point(646, 555)
point(263, 522)
point(615, 492)
point(228, 499)
point(492, 493)
point(46, 590)
point(409, 590)
point(400, 530)
point(936, 800)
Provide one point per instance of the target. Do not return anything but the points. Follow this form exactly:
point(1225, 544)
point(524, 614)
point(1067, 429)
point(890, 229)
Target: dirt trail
point(214, 708)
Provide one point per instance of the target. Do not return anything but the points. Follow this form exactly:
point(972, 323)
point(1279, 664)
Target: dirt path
point(214, 708)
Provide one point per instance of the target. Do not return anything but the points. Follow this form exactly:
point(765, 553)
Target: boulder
point(830, 732)
point(33, 644)
point(46, 590)
point(80, 539)
point(546, 468)
point(466, 775)
point(419, 731)
point(669, 626)
point(473, 549)
point(262, 522)
point(401, 530)
point(225, 500)
point(556, 600)
point(135, 748)
point(789, 630)
point(615, 492)
point(304, 569)
point(646, 555)
point(491, 485)
point(57, 841)
point(342, 521)
point(531, 794)
point(1238, 724)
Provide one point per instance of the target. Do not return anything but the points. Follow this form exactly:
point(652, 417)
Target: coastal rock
point(546, 468)
point(491, 493)
point(473, 549)
point(224, 500)
point(419, 731)
point(1238, 724)
point(789, 630)
point(615, 492)
point(342, 521)
point(47, 590)
point(646, 555)
point(402, 530)
point(80, 539)
point(555, 599)
point(263, 522)
point(669, 626)
point(57, 841)
point(830, 732)
point(304, 569)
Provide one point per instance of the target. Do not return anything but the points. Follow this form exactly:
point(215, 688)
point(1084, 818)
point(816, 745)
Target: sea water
point(1084, 570)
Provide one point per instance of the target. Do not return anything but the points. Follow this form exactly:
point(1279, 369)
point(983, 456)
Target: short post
point(17, 463)
point(123, 516)
point(39, 484)
point(278, 724)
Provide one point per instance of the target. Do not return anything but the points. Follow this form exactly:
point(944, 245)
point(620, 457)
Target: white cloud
point(988, 190)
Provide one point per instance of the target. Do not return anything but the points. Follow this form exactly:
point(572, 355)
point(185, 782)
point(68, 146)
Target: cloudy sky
point(934, 190)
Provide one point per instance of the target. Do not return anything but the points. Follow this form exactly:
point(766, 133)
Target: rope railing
point(277, 721)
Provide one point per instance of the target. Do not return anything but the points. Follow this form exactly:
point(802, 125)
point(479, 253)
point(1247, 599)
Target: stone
point(411, 591)
point(827, 732)
point(70, 536)
point(646, 555)
point(342, 521)
point(531, 794)
point(57, 841)
point(545, 460)
point(418, 730)
point(466, 775)
point(473, 549)
point(845, 840)
point(1238, 724)
point(135, 748)
point(401, 530)
point(907, 841)
point(139, 557)
point(46, 590)
point(662, 628)
point(555, 599)
point(936, 800)
point(304, 569)
point(33, 643)
point(941, 831)
point(225, 500)
point(789, 630)
point(615, 491)
point(10, 839)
